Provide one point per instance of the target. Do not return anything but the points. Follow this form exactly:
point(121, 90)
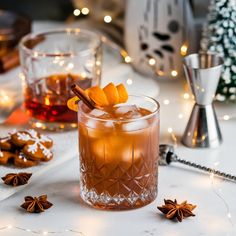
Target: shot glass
point(119, 157)
point(51, 62)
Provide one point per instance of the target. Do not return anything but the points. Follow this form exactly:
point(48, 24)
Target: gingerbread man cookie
point(34, 145)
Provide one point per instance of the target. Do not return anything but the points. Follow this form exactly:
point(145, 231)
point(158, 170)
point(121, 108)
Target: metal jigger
point(203, 73)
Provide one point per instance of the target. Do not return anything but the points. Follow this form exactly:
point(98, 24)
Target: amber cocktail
point(46, 98)
point(119, 153)
point(51, 62)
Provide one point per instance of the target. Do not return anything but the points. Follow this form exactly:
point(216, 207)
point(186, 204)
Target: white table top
point(215, 198)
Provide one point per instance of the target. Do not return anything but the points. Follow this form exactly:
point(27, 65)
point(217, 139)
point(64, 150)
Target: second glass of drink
point(51, 62)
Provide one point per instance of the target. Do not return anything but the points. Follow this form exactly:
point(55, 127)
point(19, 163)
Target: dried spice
point(36, 204)
point(16, 179)
point(172, 209)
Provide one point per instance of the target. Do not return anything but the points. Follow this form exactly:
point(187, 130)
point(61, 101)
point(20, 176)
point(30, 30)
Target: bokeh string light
point(151, 61)
point(85, 11)
point(76, 12)
point(39, 232)
point(127, 59)
point(217, 192)
point(184, 50)
point(5, 100)
point(107, 19)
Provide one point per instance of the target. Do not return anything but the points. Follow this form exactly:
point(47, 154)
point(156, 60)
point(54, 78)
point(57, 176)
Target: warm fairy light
point(98, 63)
point(38, 124)
point(160, 72)
point(40, 232)
point(47, 101)
point(76, 12)
point(170, 130)
point(85, 11)
point(180, 116)
point(83, 75)
point(174, 73)
point(186, 96)
point(21, 76)
point(152, 61)
point(166, 102)
point(70, 66)
point(4, 97)
point(129, 81)
point(107, 19)
point(5, 100)
point(35, 54)
point(73, 125)
point(127, 59)
point(226, 117)
point(183, 50)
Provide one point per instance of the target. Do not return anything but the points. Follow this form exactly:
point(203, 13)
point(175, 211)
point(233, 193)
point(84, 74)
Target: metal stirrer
point(167, 155)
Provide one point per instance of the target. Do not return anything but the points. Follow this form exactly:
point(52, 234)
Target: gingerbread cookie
point(25, 148)
point(21, 160)
point(6, 144)
point(34, 145)
point(5, 157)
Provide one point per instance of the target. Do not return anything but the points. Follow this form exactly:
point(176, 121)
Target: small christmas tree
point(219, 36)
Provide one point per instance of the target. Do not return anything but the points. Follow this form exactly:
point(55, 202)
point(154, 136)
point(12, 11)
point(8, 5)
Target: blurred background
point(65, 10)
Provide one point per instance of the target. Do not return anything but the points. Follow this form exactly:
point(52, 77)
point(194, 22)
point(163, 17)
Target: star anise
point(36, 204)
point(16, 179)
point(172, 209)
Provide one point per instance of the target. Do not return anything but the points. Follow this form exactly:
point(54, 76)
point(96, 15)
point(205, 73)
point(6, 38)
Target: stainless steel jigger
point(203, 73)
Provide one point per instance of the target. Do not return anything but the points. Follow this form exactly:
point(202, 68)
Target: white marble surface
point(215, 199)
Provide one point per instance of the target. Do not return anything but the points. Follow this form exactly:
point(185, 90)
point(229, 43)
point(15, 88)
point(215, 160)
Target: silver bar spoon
point(167, 155)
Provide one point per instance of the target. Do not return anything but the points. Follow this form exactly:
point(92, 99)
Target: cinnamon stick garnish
point(79, 92)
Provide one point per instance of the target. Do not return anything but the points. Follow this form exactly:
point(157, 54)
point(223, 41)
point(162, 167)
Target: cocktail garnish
point(36, 204)
point(16, 179)
point(172, 209)
point(80, 93)
point(95, 97)
point(111, 93)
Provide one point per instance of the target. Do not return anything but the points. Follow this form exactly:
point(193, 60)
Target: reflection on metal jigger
point(203, 72)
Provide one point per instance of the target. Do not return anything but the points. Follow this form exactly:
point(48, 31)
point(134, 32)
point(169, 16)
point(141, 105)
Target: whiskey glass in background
point(51, 62)
point(119, 157)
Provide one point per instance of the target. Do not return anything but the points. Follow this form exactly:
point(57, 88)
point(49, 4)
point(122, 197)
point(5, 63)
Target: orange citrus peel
point(72, 103)
point(108, 96)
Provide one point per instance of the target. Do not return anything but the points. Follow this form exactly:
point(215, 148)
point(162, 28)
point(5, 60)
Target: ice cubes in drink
point(98, 124)
point(99, 113)
point(124, 111)
point(135, 125)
